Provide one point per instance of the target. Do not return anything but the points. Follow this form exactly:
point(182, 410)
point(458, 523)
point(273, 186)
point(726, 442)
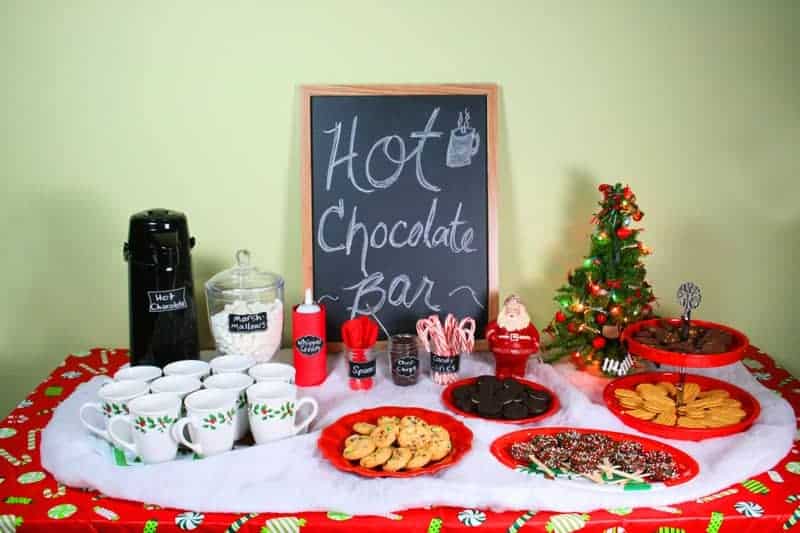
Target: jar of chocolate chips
point(404, 359)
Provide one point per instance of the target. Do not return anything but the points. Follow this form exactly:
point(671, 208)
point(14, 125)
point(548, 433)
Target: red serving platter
point(687, 466)
point(749, 404)
point(681, 359)
point(331, 440)
point(447, 398)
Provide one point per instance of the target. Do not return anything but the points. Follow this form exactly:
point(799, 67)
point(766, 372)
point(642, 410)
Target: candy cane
point(61, 490)
point(237, 524)
point(32, 438)
point(716, 496)
point(25, 458)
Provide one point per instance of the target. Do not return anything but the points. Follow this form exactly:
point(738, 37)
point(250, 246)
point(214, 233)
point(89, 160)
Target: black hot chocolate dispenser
point(163, 318)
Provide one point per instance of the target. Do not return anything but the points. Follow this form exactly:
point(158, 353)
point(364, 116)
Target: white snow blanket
point(292, 476)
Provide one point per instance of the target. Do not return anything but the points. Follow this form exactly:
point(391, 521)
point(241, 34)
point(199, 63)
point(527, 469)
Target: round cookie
point(414, 437)
point(363, 428)
point(384, 436)
point(439, 448)
point(440, 432)
point(399, 459)
point(388, 420)
point(376, 458)
point(359, 448)
point(421, 458)
point(411, 421)
point(351, 439)
point(515, 411)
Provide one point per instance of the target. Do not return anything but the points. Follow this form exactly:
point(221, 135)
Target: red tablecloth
point(31, 500)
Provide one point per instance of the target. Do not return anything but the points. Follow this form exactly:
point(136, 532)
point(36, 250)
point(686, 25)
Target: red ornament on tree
point(637, 216)
point(623, 233)
point(600, 318)
point(627, 193)
point(560, 317)
point(604, 188)
point(599, 343)
point(594, 289)
point(647, 309)
point(572, 327)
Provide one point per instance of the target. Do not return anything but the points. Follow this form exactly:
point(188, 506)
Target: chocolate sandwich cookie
point(515, 411)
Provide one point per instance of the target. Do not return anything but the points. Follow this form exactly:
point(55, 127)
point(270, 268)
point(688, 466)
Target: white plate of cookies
point(395, 441)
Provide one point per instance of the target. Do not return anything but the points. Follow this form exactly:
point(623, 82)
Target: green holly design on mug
point(265, 412)
point(214, 420)
point(148, 423)
point(241, 403)
point(111, 409)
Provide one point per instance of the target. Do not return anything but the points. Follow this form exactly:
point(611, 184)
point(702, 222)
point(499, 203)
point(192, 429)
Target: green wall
point(111, 107)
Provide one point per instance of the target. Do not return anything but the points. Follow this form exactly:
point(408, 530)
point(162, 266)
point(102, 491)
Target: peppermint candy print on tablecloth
point(472, 517)
point(62, 511)
point(793, 467)
point(435, 525)
point(283, 524)
point(7, 433)
point(620, 511)
point(615, 529)
point(792, 520)
point(189, 520)
point(151, 526)
point(749, 509)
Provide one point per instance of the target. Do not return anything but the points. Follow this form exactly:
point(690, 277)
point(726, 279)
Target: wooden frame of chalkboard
point(413, 117)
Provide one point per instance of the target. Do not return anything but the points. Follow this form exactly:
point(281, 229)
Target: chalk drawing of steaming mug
point(464, 143)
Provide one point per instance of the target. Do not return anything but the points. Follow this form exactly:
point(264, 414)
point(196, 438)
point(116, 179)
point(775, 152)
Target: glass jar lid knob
point(242, 258)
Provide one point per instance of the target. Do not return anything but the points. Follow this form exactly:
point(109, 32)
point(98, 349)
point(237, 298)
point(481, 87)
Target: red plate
point(447, 398)
point(331, 441)
point(749, 404)
point(680, 359)
point(687, 467)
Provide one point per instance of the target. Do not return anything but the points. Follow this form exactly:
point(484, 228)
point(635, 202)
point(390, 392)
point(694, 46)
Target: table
point(31, 500)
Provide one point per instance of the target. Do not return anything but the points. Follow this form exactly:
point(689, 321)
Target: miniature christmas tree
point(607, 292)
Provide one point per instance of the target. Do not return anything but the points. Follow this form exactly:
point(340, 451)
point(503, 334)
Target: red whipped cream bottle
point(308, 342)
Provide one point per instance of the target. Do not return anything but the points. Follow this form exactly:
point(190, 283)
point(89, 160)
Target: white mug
point(188, 367)
point(210, 415)
point(150, 422)
point(114, 397)
point(272, 372)
point(146, 373)
point(237, 384)
point(224, 364)
point(179, 385)
point(272, 408)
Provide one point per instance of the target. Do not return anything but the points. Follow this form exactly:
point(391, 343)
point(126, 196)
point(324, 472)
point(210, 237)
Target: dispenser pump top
point(308, 305)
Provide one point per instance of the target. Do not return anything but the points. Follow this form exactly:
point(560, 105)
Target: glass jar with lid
point(245, 309)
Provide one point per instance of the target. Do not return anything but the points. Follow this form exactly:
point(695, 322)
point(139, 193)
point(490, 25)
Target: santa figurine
point(512, 338)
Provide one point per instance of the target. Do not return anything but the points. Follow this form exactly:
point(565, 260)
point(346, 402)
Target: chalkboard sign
point(399, 202)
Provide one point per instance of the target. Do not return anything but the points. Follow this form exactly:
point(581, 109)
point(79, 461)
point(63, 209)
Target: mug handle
point(314, 410)
point(476, 142)
point(102, 433)
point(118, 441)
point(179, 436)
